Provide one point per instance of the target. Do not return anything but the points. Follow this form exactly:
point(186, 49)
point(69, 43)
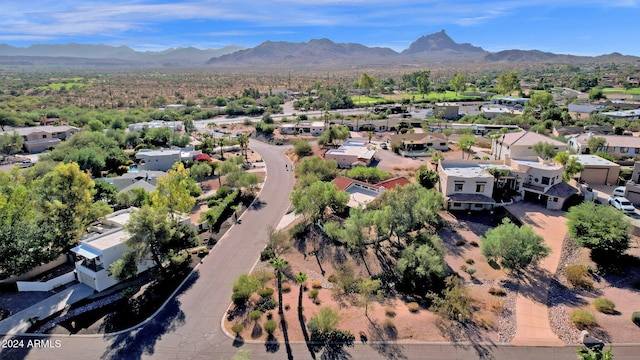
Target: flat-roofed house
point(41, 138)
point(420, 144)
point(598, 170)
point(351, 153)
point(467, 185)
point(106, 242)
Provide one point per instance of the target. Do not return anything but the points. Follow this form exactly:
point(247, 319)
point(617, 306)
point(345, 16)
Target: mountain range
point(437, 48)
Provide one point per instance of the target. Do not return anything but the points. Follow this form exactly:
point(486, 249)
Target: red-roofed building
point(361, 193)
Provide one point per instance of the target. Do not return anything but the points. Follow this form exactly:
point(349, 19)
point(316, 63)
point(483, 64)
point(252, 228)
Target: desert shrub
point(414, 307)
point(267, 253)
point(270, 326)
point(635, 317)
point(455, 301)
point(496, 291)
point(460, 242)
point(313, 294)
point(463, 267)
point(495, 305)
point(263, 276)
point(582, 319)
point(316, 284)
point(578, 276)
point(237, 328)
point(265, 304)
point(604, 305)
point(390, 311)
point(470, 261)
point(332, 278)
point(266, 292)
point(298, 231)
point(474, 243)
point(286, 287)
point(255, 315)
point(287, 307)
point(302, 147)
point(471, 270)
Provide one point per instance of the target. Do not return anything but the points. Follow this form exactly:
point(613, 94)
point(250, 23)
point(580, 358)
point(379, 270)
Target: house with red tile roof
point(362, 193)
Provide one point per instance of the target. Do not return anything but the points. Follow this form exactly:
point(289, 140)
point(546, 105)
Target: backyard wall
point(47, 285)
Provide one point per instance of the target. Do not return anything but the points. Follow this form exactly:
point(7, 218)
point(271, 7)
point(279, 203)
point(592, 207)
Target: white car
point(619, 191)
point(623, 204)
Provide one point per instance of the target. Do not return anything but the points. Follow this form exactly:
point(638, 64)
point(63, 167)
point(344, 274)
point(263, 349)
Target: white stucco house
point(517, 145)
point(105, 242)
point(163, 159)
point(351, 153)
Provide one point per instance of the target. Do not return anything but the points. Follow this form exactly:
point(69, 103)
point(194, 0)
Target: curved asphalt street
point(188, 327)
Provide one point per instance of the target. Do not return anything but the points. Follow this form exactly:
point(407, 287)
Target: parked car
point(26, 163)
point(619, 191)
point(384, 146)
point(623, 204)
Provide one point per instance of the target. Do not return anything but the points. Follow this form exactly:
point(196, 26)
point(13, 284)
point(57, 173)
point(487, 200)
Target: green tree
point(301, 279)
point(314, 200)
point(594, 353)
point(154, 234)
point(105, 191)
point(317, 168)
point(455, 304)
point(66, 195)
point(600, 228)
point(369, 174)
point(366, 82)
point(544, 150)
point(175, 190)
point(333, 133)
point(465, 142)
point(596, 144)
point(200, 170)
point(512, 246)
point(571, 168)
point(279, 265)
point(369, 290)
point(508, 82)
point(302, 147)
point(596, 94)
point(325, 320)
point(11, 143)
point(427, 178)
point(421, 267)
point(458, 83)
point(423, 83)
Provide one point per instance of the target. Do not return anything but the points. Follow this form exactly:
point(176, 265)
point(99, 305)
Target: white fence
point(47, 285)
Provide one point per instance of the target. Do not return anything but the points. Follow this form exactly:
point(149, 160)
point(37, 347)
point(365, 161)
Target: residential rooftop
point(593, 160)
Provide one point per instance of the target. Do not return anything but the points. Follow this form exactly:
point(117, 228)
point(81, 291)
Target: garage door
point(595, 176)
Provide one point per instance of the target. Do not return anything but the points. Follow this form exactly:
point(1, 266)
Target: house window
point(545, 180)
point(555, 199)
point(429, 144)
point(480, 187)
point(478, 206)
point(458, 187)
point(624, 149)
point(457, 204)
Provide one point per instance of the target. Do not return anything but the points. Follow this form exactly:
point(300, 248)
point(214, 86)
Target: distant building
point(520, 144)
point(420, 144)
point(163, 159)
point(510, 102)
point(620, 145)
point(450, 111)
point(173, 125)
point(41, 138)
point(351, 153)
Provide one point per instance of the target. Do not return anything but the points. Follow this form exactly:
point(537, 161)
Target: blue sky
point(585, 27)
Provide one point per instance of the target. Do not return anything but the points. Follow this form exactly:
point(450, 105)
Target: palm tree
point(244, 142)
point(279, 264)
point(301, 278)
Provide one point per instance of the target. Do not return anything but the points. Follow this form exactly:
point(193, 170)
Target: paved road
point(189, 326)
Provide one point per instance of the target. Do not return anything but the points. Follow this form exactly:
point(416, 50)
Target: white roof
point(593, 160)
point(470, 170)
point(536, 164)
point(161, 152)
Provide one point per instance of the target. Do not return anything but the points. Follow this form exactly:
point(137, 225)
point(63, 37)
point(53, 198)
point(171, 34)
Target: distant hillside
point(440, 42)
point(313, 52)
point(112, 54)
point(437, 48)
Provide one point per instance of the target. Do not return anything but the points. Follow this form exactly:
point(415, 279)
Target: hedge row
point(215, 215)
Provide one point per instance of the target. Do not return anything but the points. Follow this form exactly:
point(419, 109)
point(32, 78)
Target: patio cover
point(86, 253)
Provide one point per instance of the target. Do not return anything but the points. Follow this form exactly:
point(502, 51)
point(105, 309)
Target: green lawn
point(432, 96)
point(634, 91)
point(368, 101)
point(59, 86)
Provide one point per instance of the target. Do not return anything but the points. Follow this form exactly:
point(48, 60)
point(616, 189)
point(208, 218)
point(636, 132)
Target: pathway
point(532, 314)
point(18, 323)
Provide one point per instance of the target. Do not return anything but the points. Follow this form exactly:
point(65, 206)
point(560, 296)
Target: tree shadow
point(285, 334)
point(238, 341)
point(142, 339)
point(382, 343)
point(335, 353)
point(256, 332)
point(305, 333)
point(257, 204)
point(271, 344)
point(465, 335)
